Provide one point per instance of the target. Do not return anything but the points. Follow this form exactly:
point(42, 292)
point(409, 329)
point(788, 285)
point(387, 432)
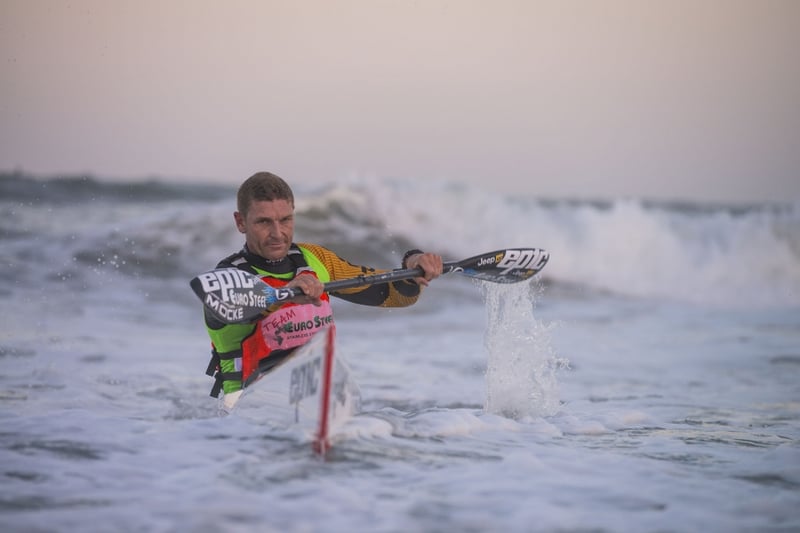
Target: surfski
point(311, 391)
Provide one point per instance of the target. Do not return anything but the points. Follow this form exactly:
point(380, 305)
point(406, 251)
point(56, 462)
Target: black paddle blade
point(234, 296)
point(503, 266)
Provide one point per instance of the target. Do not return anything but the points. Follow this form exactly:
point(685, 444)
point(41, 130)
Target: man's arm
point(395, 294)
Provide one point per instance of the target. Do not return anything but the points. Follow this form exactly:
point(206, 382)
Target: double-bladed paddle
point(235, 296)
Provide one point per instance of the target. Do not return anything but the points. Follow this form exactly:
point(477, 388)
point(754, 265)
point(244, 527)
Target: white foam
point(719, 255)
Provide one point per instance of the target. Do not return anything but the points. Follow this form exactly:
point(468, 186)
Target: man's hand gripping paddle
point(234, 296)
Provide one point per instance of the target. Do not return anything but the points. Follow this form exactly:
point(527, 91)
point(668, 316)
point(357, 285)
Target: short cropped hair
point(262, 186)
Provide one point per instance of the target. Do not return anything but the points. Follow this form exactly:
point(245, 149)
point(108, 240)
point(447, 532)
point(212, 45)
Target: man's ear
point(237, 216)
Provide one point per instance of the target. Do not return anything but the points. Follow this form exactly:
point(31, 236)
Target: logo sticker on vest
point(293, 326)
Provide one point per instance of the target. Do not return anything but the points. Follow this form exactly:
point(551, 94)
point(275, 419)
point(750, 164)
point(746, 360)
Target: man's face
point(268, 228)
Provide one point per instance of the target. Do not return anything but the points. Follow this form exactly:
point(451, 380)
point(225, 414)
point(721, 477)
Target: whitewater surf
point(646, 379)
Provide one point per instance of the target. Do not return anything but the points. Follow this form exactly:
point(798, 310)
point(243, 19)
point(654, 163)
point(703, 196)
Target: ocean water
point(647, 380)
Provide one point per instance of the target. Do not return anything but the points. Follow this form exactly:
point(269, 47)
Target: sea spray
point(521, 372)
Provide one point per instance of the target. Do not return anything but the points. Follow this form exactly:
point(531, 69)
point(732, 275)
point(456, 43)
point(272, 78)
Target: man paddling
point(265, 215)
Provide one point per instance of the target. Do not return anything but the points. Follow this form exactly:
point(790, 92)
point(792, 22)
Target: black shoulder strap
point(298, 259)
point(237, 260)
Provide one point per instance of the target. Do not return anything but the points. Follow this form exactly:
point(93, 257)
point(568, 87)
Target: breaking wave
point(718, 254)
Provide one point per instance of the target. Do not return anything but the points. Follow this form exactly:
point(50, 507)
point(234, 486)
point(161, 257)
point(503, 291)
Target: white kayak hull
point(312, 391)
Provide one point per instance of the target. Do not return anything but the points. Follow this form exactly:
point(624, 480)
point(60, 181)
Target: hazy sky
point(665, 99)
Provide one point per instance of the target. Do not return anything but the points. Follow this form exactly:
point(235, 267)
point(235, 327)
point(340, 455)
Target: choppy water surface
point(644, 383)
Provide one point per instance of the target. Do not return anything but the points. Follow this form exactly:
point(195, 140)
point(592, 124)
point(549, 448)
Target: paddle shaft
point(385, 277)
